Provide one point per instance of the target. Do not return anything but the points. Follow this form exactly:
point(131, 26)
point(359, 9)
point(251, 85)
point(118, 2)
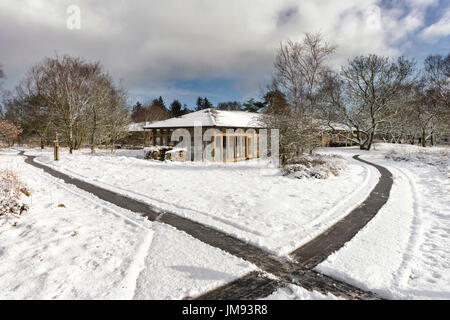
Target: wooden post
point(214, 147)
point(145, 138)
point(227, 145)
point(257, 145)
point(224, 152)
point(56, 151)
point(235, 142)
point(246, 148)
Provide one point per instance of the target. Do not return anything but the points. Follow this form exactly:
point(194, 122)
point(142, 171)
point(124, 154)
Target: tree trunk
point(433, 140)
point(113, 145)
point(42, 143)
point(424, 139)
point(370, 139)
point(94, 128)
point(70, 139)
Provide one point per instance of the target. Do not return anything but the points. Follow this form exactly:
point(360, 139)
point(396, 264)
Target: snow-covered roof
point(137, 126)
point(227, 119)
point(212, 118)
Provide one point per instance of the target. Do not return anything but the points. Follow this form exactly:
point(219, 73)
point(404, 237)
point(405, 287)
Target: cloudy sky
point(220, 49)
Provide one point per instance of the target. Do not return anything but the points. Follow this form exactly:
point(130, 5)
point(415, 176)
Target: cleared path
point(317, 250)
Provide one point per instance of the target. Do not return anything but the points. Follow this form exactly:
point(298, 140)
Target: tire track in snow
point(342, 205)
point(404, 272)
point(137, 264)
point(317, 250)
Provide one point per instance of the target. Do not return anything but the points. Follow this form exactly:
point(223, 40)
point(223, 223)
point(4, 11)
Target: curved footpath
point(257, 284)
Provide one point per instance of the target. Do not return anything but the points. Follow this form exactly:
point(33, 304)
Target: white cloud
point(438, 29)
point(152, 43)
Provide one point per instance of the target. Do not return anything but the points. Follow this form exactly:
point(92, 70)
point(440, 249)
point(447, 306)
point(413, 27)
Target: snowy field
point(404, 252)
point(247, 199)
point(90, 249)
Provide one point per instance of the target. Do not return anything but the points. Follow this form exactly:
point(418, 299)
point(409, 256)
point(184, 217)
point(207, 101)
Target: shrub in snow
point(8, 133)
point(12, 192)
point(314, 166)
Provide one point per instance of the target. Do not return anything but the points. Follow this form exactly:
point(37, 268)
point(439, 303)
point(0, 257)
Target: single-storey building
point(336, 137)
point(135, 137)
point(225, 136)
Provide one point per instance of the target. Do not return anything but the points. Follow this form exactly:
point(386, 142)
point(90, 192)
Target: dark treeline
point(156, 110)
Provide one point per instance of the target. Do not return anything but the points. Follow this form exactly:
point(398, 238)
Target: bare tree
point(425, 112)
point(70, 86)
point(437, 79)
point(117, 118)
point(29, 108)
point(437, 76)
point(372, 87)
point(73, 96)
point(299, 70)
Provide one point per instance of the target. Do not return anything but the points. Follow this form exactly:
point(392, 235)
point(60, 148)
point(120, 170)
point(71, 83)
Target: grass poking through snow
point(12, 192)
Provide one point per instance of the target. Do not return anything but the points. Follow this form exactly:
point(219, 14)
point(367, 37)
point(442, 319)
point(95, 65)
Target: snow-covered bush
point(12, 192)
point(315, 166)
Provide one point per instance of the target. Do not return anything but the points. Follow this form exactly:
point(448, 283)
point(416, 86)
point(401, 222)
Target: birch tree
point(299, 70)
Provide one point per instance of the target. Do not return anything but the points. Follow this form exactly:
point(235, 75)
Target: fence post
point(56, 151)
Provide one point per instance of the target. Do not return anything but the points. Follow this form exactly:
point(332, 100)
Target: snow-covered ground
point(293, 292)
point(91, 249)
point(246, 199)
point(404, 252)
